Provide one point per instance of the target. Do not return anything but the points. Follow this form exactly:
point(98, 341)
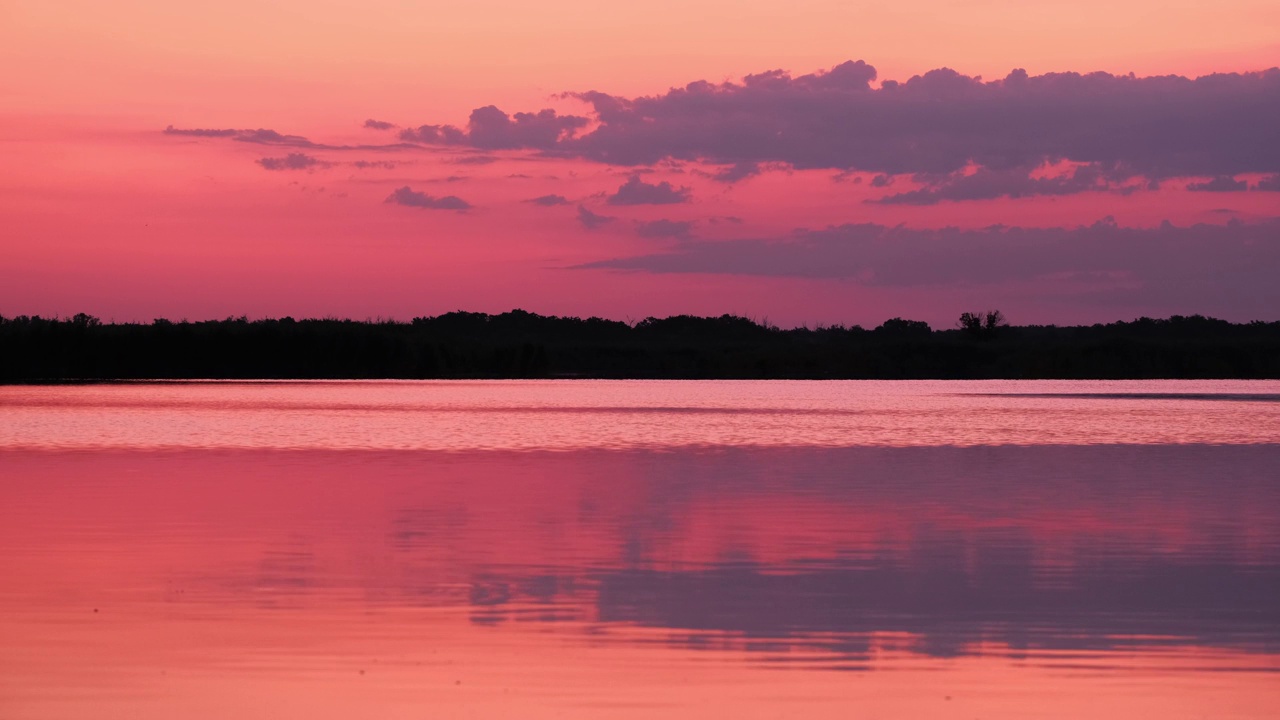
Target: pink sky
point(103, 212)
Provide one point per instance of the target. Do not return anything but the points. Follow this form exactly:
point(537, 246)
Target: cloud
point(271, 137)
point(1222, 183)
point(369, 164)
point(263, 136)
point(986, 184)
point(474, 160)
point(638, 192)
point(737, 172)
point(968, 138)
point(1270, 183)
point(591, 220)
point(1203, 264)
point(664, 229)
point(408, 197)
point(549, 200)
point(378, 124)
point(201, 132)
point(940, 122)
point(492, 129)
point(292, 161)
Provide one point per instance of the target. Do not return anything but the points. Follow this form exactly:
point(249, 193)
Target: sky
point(813, 162)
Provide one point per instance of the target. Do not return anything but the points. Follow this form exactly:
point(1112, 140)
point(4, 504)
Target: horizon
point(763, 322)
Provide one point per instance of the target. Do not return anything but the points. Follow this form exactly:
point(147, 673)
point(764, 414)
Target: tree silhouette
point(899, 328)
point(982, 325)
point(526, 345)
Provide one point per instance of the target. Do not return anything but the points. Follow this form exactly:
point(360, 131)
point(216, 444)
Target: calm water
point(641, 549)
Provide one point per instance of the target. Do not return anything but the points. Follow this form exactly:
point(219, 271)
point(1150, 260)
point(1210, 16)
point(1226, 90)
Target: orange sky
point(245, 62)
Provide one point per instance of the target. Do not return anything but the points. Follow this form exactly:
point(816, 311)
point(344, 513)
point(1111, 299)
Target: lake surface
point(583, 549)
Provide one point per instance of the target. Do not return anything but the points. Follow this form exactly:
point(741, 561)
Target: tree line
point(520, 344)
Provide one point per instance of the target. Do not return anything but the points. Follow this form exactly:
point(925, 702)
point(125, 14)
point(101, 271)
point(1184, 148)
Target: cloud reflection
point(800, 555)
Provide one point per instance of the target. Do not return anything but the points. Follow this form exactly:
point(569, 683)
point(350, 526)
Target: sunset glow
point(625, 360)
point(327, 214)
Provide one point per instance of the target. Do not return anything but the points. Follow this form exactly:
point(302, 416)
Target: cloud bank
point(1198, 263)
point(938, 125)
point(958, 137)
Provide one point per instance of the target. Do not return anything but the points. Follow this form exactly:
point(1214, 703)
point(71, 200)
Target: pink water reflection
point(578, 414)
point(1047, 581)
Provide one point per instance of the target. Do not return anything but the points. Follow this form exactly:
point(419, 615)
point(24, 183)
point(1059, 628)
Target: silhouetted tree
point(524, 344)
point(83, 320)
point(899, 328)
point(993, 321)
point(982, 325)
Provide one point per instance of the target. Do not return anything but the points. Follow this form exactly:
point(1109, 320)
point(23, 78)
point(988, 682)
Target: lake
point(635, 549)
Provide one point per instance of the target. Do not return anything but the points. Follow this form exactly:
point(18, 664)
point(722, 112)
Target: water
point(641, 549)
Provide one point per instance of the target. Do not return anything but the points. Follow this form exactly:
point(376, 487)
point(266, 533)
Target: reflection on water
point(1022, 580)
point(577, 414)
point(1216, 397)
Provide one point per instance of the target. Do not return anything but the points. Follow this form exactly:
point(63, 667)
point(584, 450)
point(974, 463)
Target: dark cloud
point(638, 192)
point(940, 122)
point(474, 160)
point(292, 161)
point(737, 172)
point(410, 198)
point(1222, 183)
point(971, 139)
point(549, 200)
point(664, 229)
point(271, 137)
point(492, 129)
point(378, 124)
point(435, 135)
point(1207, 264)
point(986, 184)
point(591, 220)
point(1270, 183)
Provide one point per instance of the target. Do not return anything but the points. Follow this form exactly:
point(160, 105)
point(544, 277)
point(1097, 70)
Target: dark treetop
point(519, 344)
